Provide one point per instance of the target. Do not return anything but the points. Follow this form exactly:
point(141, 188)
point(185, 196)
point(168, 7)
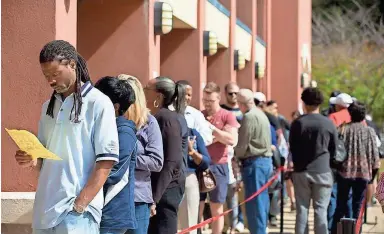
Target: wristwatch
point(78, 208)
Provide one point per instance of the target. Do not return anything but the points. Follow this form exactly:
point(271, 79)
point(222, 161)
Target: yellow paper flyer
point(29, 143)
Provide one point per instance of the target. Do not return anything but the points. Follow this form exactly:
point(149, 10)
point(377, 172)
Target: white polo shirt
point(80, 145)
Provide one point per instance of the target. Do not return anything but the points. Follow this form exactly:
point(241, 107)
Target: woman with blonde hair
point(150, 156)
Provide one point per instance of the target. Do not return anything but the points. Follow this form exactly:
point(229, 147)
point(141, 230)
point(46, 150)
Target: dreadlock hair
point(63, 51)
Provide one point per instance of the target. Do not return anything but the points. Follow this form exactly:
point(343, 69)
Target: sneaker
point(273, 222)
point(240, 227)
point(293, 206)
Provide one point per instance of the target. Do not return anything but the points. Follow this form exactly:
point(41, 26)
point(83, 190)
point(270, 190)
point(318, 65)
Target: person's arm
point(127, 147)
point(202, 126)
point(374, 154)
point(153, 157)
point(202, 150)
point(106, 145)
point(229, 135)
point(287, 125)
point(293, 136)
point(173, 155)
point(245, 133)
point(333, 141)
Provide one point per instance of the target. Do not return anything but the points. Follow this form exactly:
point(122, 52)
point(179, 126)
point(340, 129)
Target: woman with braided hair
point(77, 124)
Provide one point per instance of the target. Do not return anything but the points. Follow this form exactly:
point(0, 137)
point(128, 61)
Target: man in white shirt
point(195, 119)
point(77, 124)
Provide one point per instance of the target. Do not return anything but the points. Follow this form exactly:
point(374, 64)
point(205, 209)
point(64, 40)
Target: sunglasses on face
point(232, 93)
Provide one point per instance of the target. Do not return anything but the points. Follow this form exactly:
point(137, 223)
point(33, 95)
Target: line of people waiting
point(132, 155)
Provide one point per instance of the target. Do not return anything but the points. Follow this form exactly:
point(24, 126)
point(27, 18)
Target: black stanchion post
point(282, 203)
point(365, 206)
point(346, 226)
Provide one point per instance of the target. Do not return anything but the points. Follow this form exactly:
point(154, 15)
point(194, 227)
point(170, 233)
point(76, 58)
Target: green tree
point(347, 51)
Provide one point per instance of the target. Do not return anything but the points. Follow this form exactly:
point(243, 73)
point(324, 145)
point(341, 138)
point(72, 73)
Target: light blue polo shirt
point(80, 145)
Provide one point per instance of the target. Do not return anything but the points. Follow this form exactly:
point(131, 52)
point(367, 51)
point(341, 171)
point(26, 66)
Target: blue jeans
point(358, 187)
point(73, 223)
point(112, 231)
point(142, 211)
point(332, 206)
point(255, 173)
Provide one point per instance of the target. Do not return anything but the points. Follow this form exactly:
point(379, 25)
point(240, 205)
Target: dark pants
point(142, 212)
point(344, 186)
point(165, 220)
point(332, 206)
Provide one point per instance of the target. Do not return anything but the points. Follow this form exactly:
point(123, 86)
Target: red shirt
point(340, 117)
point(218, 151)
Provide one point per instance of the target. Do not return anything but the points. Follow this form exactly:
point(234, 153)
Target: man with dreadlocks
point(77, 124)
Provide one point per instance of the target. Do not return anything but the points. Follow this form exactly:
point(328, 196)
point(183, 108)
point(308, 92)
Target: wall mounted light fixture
point(259, 70)
point(239, 60)
point(313, 83)
point(305, 80)
point(163, 18)
point(209, 43)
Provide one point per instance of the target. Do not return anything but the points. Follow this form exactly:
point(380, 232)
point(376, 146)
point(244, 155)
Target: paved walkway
point(375, 222)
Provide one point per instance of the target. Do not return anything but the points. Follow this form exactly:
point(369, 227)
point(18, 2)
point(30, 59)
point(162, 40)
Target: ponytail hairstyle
point(173, 93)
point(64, 52)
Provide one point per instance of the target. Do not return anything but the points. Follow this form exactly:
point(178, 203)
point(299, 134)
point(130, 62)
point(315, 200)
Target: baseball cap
point(260, 97)
point(342, 99)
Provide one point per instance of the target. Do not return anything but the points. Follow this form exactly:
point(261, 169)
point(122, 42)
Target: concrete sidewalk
point(374, 225)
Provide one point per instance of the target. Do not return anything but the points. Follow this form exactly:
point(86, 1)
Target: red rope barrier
point(210, 220)
point(361, 213)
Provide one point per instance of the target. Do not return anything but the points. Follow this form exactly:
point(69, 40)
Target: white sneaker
point(240, 227)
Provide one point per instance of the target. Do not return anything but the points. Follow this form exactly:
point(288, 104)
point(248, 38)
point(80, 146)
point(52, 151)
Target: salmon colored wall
point(24, 88)
point(181, 55)
point(285, 77)
point(66, 20)
point(261, 18)
point(217, 22)
point(117, 37)
point(221, 65)
point(305, 28)
point(246, 12)
point(265, 83)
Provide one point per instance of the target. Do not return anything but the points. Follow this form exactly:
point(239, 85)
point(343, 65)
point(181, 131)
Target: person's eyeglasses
point(232, 93)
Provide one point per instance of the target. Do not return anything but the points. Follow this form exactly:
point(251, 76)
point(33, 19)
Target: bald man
point(255, 153)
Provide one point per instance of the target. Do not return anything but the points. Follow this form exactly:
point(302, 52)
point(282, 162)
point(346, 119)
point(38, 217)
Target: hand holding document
point(29, 143)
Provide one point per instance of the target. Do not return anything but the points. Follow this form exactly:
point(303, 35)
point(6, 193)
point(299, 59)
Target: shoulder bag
point(207, 180)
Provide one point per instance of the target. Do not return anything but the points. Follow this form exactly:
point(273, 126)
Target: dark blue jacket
point(202, 149)
point(119, 205)
point(274, 136)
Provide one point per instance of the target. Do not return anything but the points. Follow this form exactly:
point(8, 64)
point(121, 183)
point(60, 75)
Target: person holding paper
point(78, 124)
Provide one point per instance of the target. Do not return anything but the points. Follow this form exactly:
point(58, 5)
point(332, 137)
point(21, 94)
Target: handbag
point(341, 152)
point(207, 180)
